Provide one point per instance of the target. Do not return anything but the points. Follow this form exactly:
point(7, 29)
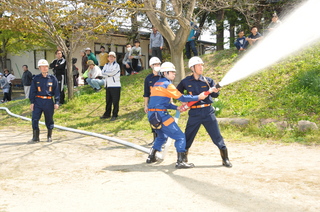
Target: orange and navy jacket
point(161, 93)
point(44, 86)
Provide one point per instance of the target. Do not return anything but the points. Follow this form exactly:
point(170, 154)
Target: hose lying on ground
point(116, 140)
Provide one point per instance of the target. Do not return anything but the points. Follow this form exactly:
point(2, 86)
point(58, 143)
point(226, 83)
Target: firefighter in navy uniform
point(149, 81)
point(202, 112)
point(59, 69)
point(43, 88)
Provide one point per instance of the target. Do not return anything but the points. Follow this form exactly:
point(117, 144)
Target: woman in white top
point(111, 72)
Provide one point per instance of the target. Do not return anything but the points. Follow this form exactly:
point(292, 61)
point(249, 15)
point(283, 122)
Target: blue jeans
point(95, 83)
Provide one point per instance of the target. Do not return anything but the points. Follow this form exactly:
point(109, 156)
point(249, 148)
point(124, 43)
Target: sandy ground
point(83, 173)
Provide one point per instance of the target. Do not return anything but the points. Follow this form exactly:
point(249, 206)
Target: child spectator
point(275, 22)
point(126, 60)
point(103, 57)
point(5, 88)
point(135, 56)
point(241, 42)
point(254, 36)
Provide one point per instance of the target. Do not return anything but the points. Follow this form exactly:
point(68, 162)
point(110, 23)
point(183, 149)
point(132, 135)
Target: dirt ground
point(83, 173)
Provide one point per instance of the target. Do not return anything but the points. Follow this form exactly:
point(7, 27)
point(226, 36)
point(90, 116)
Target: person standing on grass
point(10, 77)
point(5, 88)
point(149, 81)
point(164, 124)
point(111, 71)
point(44, 88)
point(156, 43)
point(26, 80)
point(202, 113)
point(59, 69)
point(103, 57)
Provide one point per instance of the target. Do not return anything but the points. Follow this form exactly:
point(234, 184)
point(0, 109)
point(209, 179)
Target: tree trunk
point(69, 75)
point(220, 30)
point(177, 60)
point(232, 33)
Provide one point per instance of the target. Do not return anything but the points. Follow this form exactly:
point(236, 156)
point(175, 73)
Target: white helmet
point(194, 61)
point(154, 60)
point(167, 66)
point(43, 62)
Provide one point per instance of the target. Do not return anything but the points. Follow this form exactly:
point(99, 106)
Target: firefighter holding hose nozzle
point(159, 118)
point(202, 112)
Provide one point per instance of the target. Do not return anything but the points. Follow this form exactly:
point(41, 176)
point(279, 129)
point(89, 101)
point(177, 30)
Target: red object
point(189, 104)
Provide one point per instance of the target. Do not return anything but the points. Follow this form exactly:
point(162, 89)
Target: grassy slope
point(288, 91)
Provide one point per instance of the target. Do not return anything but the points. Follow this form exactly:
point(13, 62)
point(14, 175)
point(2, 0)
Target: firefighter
point(149, 81)
point(202, 112)
point(161, 93)
point(43, 88)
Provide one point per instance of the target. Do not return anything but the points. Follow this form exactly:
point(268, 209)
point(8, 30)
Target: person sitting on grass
point(95, 79)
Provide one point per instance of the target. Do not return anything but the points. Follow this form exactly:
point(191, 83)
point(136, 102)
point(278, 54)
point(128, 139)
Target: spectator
point(5, 88)
point(26, 80)
point(191, 42)
point(111, 72)
point(103, 57)
point(75, 72)
point(95, 79)
point(10, 77)
point(91, 56)
point(156, 43)
point(84, 65)
point(241, 42)
point(59, 68)
point(126, 60)
point(275, 22)
point(84, 60)
point(135, 57)
point(254, 37)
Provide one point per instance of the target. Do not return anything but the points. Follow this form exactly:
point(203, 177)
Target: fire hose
point(189, 104)
point(116, 140)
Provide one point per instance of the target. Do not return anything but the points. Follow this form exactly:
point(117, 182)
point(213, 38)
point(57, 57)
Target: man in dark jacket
point(59, 69)
point(26, 80)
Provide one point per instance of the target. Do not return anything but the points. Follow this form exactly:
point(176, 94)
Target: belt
point(45, 97)
point(200, 106)
point(157, 109)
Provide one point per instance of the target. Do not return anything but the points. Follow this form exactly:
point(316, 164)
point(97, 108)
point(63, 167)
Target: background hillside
point(287, 91)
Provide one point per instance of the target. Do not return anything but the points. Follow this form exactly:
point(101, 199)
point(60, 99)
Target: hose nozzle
point(218, 85)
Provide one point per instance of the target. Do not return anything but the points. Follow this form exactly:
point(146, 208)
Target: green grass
point(288, 91)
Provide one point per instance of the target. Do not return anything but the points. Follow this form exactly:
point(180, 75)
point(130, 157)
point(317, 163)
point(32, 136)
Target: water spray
point(279, 43)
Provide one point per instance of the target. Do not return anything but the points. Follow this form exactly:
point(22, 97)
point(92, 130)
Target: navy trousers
point(47, 107)
point(206, 117)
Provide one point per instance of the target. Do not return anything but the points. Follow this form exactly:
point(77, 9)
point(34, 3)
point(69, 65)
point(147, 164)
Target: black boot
point(225, 159)
point(154, 137)
point(49, 135)
point(180, 162)
point(35, 137)
point(152, 156)
point(185, 158)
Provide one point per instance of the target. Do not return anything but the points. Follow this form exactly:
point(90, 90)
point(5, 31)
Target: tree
point(67, 24)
